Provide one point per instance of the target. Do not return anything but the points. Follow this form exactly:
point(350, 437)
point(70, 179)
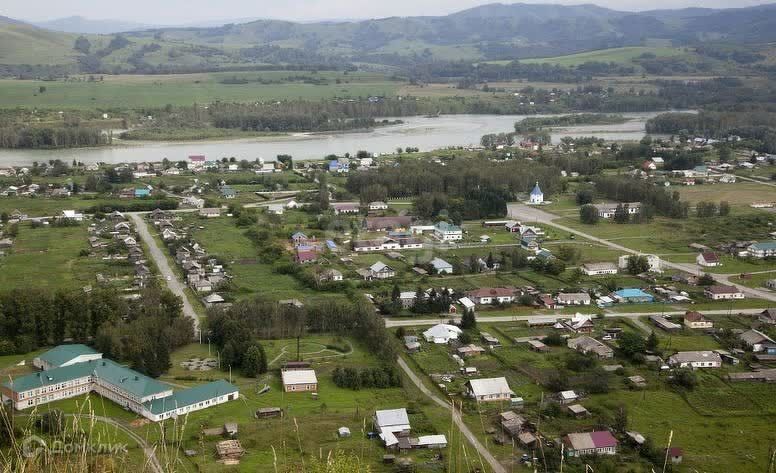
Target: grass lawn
point(47, 258)
point(739, 194)
point(618, 55)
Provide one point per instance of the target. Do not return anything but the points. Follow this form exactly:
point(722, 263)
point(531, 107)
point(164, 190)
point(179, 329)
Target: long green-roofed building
point(77, 369)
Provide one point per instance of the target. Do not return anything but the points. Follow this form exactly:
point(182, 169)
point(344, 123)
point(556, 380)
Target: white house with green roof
point(132, 390)
point(762, 250)
point(65, 355)
point(445, 231)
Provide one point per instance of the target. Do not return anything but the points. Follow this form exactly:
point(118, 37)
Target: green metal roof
point(122, 377)
point(447, 227)
point(188, 397)
point(765, 246)
point(64, 353)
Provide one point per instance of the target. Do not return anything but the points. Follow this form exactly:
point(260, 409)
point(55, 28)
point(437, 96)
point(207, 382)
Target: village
point(532, 337)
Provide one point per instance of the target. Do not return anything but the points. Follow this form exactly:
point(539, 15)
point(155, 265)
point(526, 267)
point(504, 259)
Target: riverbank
point(426, 134)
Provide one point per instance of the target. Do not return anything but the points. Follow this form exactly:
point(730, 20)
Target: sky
point(176, 12)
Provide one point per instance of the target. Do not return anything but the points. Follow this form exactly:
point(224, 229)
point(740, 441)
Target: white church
point(536, 197)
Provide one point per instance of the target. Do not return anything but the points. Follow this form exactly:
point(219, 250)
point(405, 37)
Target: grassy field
point(617, 55)
point(740, 194)
point(130, 91)
point(48, 258)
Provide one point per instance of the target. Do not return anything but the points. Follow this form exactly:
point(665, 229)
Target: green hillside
point(616, 55)
point(24, 44)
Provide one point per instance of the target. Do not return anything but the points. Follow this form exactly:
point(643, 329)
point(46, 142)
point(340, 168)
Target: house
point(407, 299)
point(608, 210)
point(768, 316)
point(395, 421)
point(597, 269)
point(537, 196)
point(468, 304)
point(590, 443)
point(378, 270)
point(470, 350)
point(537, 346)
point(227, 192)
point(708, 259)
point(341, 208)
point(695, 359)
point(210, 212)
point(727, 179)
point(72, 215)
point(585, 344)
point(305, 256)
point(633, 296)
point(573, 298)
point(78, 370)
point(580, 323)
point(758, 342)
point(441, 266)
point(489, 389)
point(442, 333)
point(492, 295)
point(770, 284)
point(197, 161)
point(762, 250)
point(723, 292)
point(65, 355)
point(760, 376)
point(696, 320)
point(377, 205)
point(330, 275)
point(567, 397)
point(299, 380)
point(445, 231)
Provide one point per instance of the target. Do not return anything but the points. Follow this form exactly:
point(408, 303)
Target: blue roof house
point(633, 296)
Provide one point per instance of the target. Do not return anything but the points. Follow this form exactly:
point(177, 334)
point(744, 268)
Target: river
point(421, 132)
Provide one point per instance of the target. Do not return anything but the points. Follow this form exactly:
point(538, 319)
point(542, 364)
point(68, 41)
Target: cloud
point(188, 11)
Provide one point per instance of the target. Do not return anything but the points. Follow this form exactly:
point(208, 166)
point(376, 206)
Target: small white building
point(299, 380)
point(442, 333)
point(537, 196)
point(597, 269)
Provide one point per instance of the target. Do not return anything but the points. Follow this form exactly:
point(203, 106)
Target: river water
point(421, 132)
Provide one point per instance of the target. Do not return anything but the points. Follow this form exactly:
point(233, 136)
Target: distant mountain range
point(79, 24)
point(488, 32)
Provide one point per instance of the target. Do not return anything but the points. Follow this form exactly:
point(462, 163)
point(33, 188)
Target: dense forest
point(51, 137)
point(463, 188)
point(33, 318)
point(757, 126)
point(236, 329)
point(533, 124)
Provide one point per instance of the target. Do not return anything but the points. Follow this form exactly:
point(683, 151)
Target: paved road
point(411, 322)
point(160, 259)
point(533, 214)
point(483, 452)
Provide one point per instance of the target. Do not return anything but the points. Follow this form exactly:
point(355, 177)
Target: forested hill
point(488, 32)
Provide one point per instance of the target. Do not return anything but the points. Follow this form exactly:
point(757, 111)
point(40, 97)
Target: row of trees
point(711, 209)
point(34, 318)
point(379, 377)
point(658, 199)
point(51, 137)
point(236, 329)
